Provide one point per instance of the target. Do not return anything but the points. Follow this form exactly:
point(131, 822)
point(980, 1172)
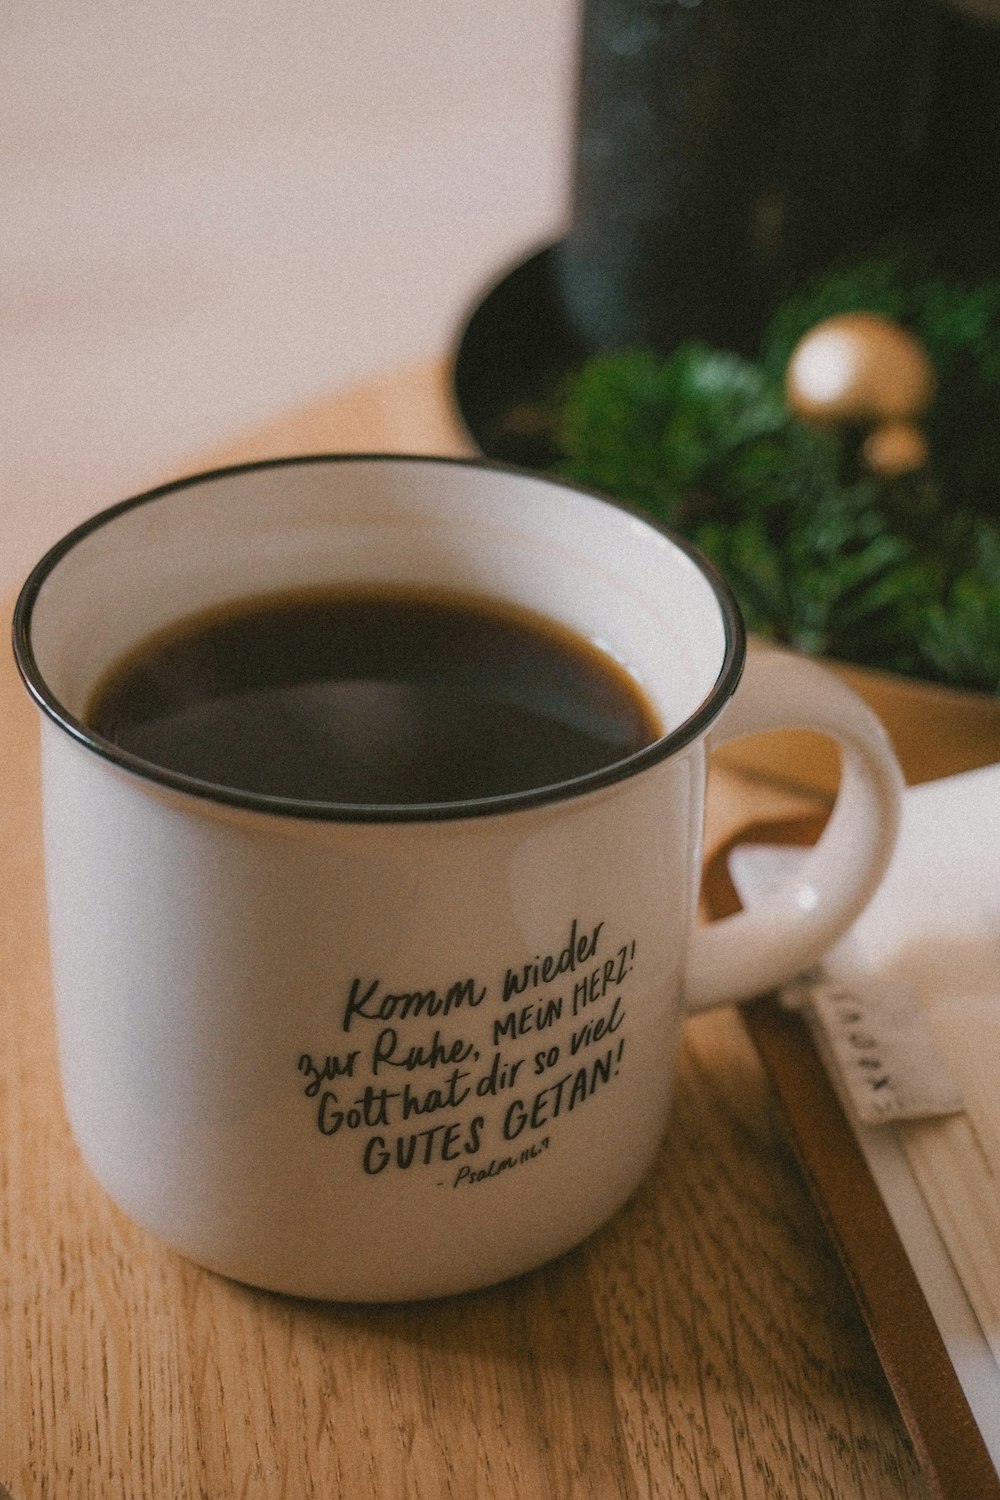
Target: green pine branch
point(899, 574)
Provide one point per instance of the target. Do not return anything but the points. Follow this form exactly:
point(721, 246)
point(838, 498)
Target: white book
point(906, 1016)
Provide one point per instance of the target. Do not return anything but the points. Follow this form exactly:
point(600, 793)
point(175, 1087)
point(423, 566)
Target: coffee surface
point(373, 697)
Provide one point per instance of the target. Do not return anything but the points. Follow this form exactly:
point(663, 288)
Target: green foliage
point(900, 574)
point(962, 626)
point(958, 322)
point(655, 429)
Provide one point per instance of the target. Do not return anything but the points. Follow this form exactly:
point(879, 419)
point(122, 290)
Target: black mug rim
point(690, 729)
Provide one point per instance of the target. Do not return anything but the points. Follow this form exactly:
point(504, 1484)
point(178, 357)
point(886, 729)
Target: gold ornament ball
point(895, 448)
point(859, 368)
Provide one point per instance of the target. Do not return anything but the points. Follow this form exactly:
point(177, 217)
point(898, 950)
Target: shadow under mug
point(373, 1053)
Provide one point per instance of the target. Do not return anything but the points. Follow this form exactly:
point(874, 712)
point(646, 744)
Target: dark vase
point(725, 149)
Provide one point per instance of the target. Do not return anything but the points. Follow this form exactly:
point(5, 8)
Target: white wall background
point(211, 210)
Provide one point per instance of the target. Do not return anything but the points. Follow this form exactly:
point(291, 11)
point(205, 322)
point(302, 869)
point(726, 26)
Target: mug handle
point(752, 952)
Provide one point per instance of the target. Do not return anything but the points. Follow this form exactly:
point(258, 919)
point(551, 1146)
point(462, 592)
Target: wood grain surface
point(703, 1344)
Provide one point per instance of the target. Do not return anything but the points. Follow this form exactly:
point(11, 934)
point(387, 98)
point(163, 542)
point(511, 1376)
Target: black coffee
point(373, 697)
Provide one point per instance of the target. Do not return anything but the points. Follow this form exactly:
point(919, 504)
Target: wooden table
point(703, 1344)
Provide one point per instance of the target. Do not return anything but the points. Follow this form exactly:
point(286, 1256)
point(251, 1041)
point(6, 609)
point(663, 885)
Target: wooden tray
point(936, 731)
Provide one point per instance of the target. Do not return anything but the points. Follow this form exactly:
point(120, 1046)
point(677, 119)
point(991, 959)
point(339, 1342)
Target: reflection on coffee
point(373, 696)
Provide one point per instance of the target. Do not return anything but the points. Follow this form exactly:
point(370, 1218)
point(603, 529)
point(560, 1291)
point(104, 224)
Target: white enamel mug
point(373, 1053)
